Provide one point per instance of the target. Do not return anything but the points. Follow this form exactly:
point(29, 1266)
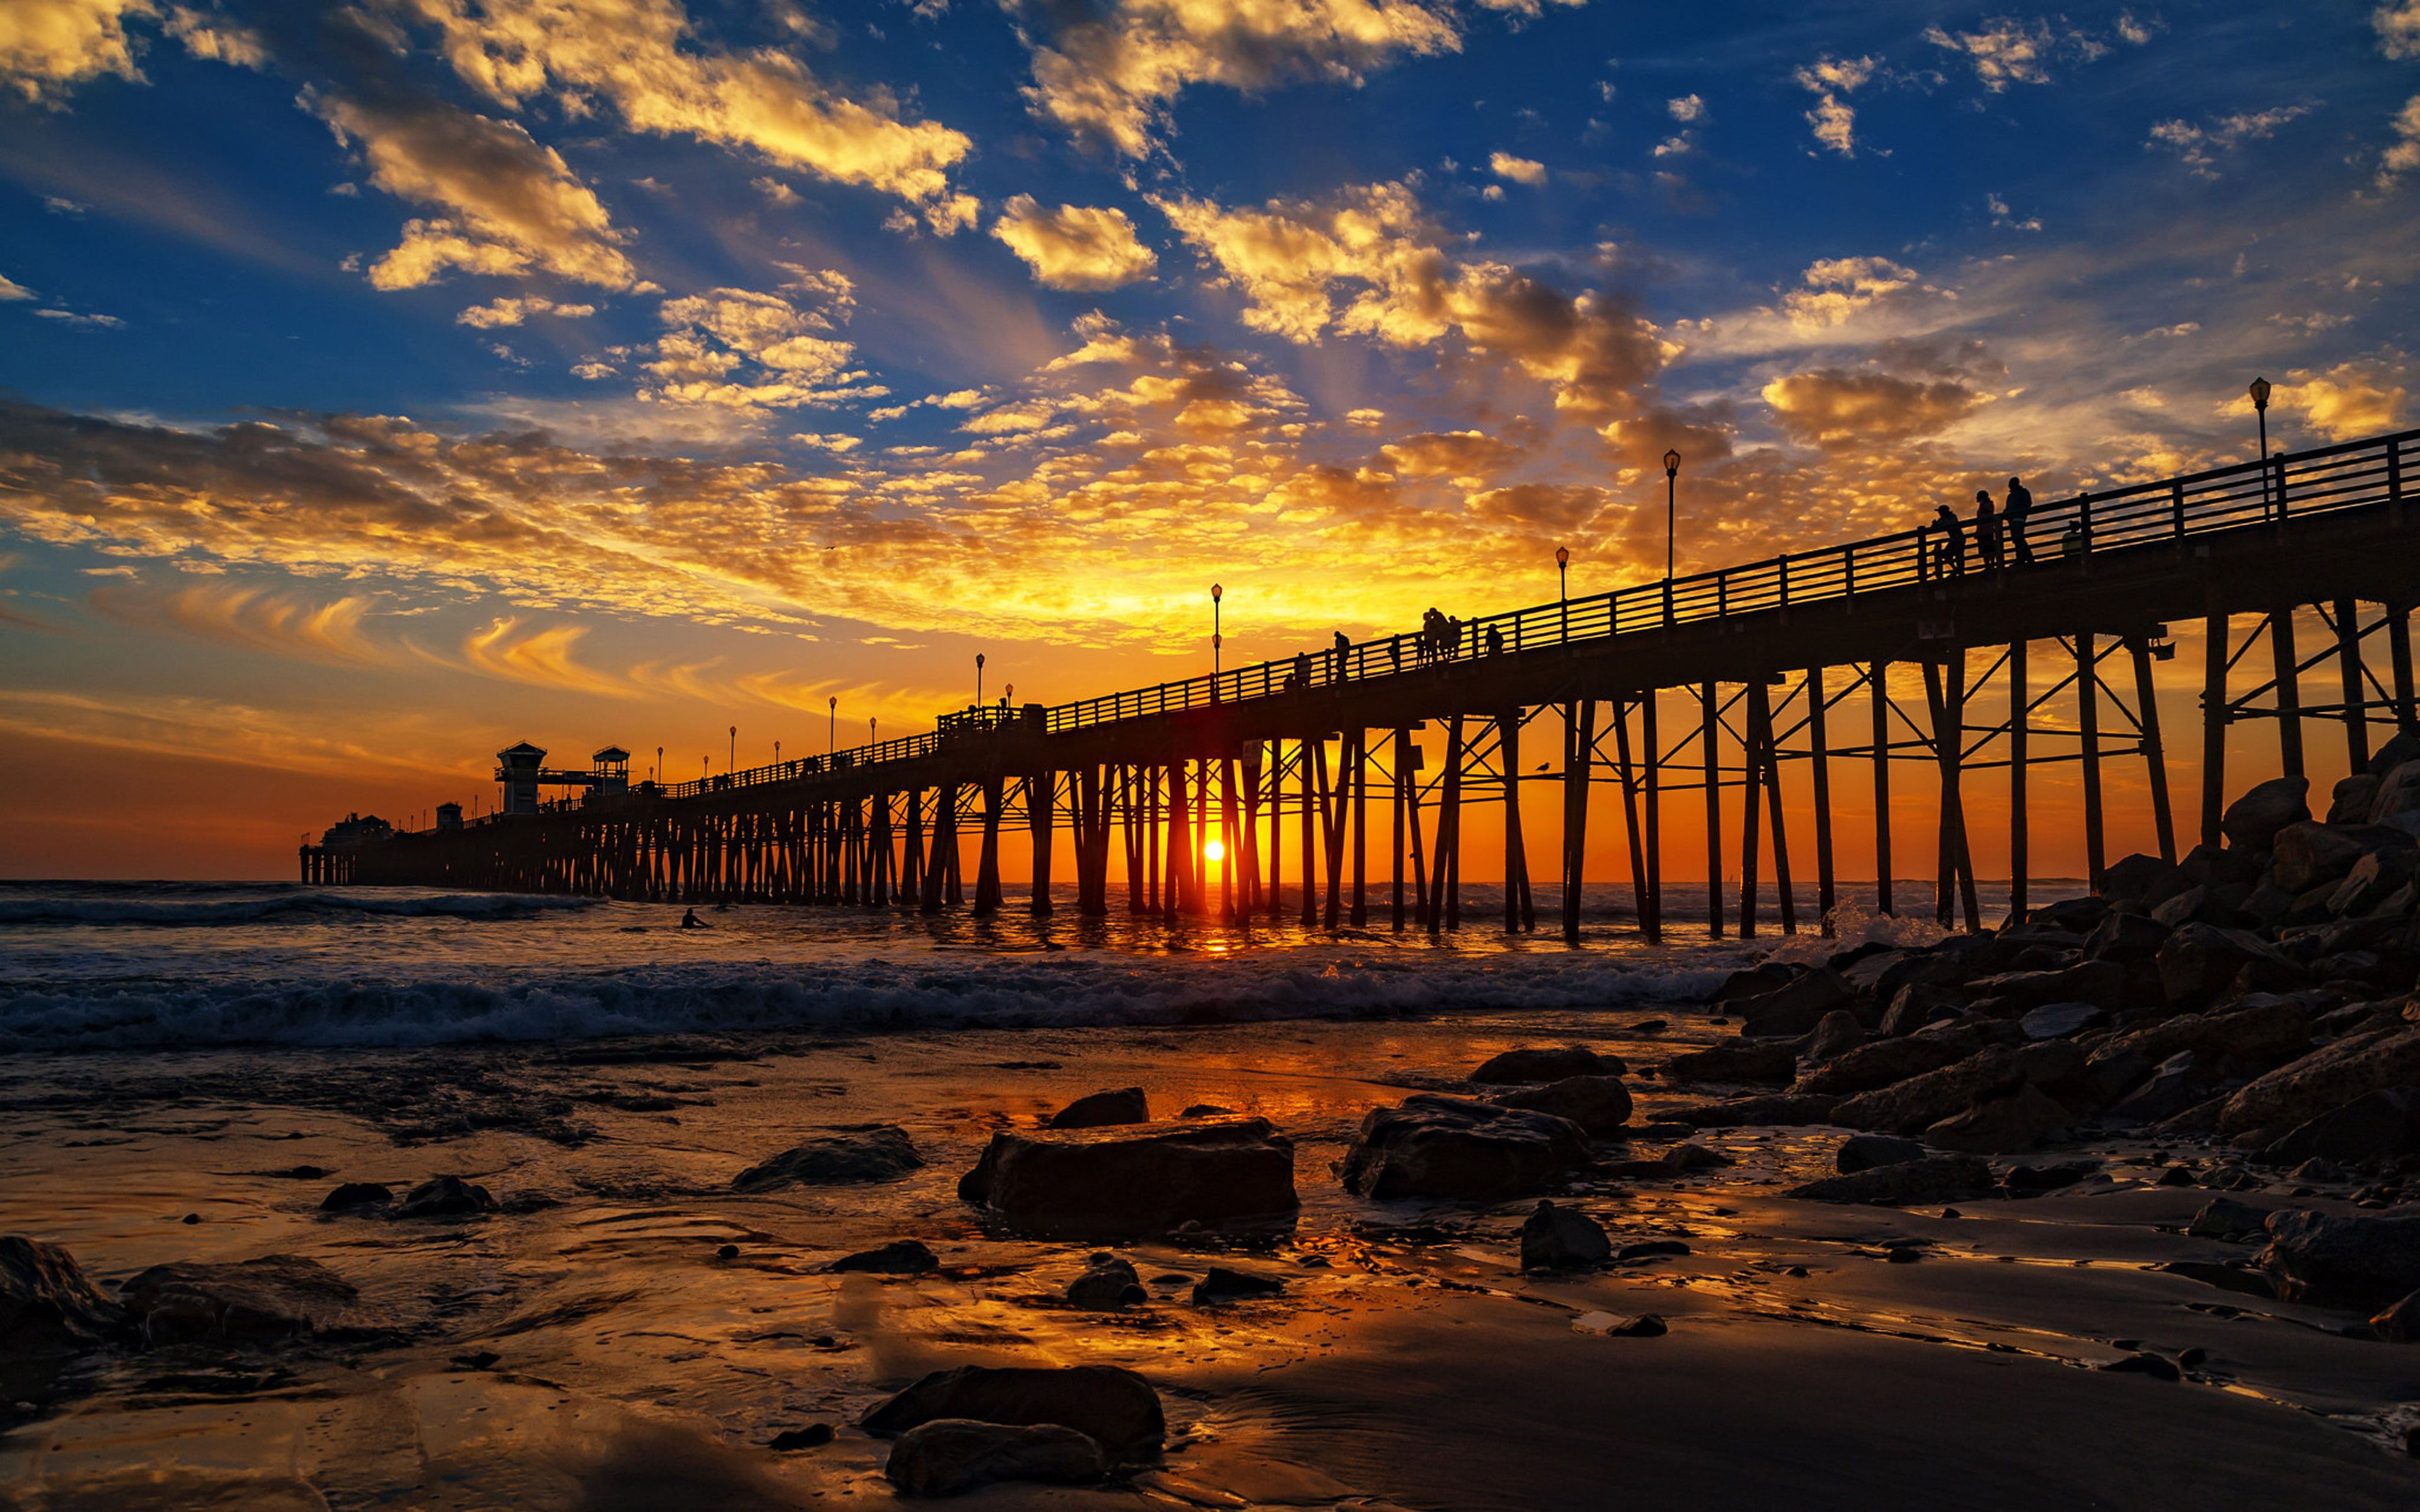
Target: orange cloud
point(1075, 246)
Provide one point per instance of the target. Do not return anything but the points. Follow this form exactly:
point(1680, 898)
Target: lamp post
point(831, 726)
point(1563, 585)
point(869, 730)
point(777, 756)
point(2259, 391)
point(1671, 473)
point(1217, 639)
point(731, 761)
point(979, 661)
point(656, 773)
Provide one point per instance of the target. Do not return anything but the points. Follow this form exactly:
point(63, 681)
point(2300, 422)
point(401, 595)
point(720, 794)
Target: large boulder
point(1102, 1110)
point(1127, 1180)
point(1599, 1104)
point(1113, 1407)
point(2252, 821)
point(2199, 963)
point(2126, 937)
point(845, 1157)
point(445, 1197)
point(1885, 1062)
point(1913, 1105)
point(1561, 1239)
point(2378, 1125)
point(1795, 1007)
point(2003, 1125)
point(2312, 1257)
point(48, 1305)
point(1866, 1151)
point(1459, 1150)
point(1907, 1183)
point(2398, 791)
point(2306, 855)
point(2349, 801)
point(1839, 1032)
point(1108, 1283)
point(1745, 1112)
point(2326, 1079)
point(272, 1297)
point(2375, 879)
point(951, 1455)
point(1545, 1063)
point(2139, 881)
point(1736, 1060)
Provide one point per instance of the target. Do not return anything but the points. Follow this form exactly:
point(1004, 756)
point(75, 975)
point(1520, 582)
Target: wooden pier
point(1302, 768)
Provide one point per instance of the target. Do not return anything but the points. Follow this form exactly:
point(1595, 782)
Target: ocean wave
point(204, 912)
point(874, 995)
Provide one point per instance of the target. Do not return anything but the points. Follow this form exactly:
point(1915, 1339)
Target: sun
point(1213, 850)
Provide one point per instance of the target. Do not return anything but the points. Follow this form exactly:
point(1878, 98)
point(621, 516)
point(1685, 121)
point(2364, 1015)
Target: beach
point(625, 1329)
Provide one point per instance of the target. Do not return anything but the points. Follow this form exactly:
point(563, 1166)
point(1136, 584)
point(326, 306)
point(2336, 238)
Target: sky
point(385, 382)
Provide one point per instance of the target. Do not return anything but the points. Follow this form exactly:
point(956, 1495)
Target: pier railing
point(2353, 475)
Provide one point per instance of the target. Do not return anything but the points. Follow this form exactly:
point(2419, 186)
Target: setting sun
point(1213, 850)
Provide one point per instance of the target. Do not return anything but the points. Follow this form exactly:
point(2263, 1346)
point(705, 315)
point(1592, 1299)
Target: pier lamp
point(1671, 475)
point(1217, 639)
point(1563, 585)
point(979, 679)
point(831, 726)
point(777, 756)
point(2259, 391)
point(869, 730)
point(1007, 695)
point(731, 758)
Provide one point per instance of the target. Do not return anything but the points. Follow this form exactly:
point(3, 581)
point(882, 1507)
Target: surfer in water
point(690, 920)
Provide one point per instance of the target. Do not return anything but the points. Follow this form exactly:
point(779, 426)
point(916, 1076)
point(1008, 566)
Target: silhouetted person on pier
point(690, 920)
point(1343, 650)
point(2020, 504)
point(1302, 668)
point(1987, 531)
point(1949, 557)
point(1495, 641)
point(1395, 652)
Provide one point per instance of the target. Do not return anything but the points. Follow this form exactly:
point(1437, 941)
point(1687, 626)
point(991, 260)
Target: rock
point(1108, 1284)
point(1101, 1110)
point(444, 1196)
point(2349, 801)
point(2312, 1257)
point(2033, 1181)
point(1863, 968)
point(1689, 1156)
point(1907, 1183)
point(2174, 1084)
point(2201, 961)
point(2260, 1031)
point(1919, 1004)
point(48, 1305)
point(2058, 1021)
point(2378, 1125)
point(2135, 878)
point(2374, 879)
point(1223, 1285)
point(2404, 746)
point(2326, 1079)
point(1837, 1033)
point(2225, 1218)
point(2003, 1125)
point(1546, 1063)
point(1885, 1062)
point(2077, 915)
point(845, 1157)
point(2400, 1323)
point(1561, 1238)
point(272, 1297)
point(901, 1257)
point(353, 1195)
point(1114, 1407)
point(2398, 791)
point(1644, 1326)
point(1207, 1110)
point(1868, 1152)
point(1752, 981)
point(1737, 1060)
point(1125, 1180)
point(2127, 937)
point(1910, 1106)
point(1741, 1112)
point(1795, 1007)
point(2143, 1364)
point(1460, 1150)
point(2308, 855)
point(2253, 821)
point(813, 1436)
point(1650, 1249)
point(951, 1455)
point(1599, 1104)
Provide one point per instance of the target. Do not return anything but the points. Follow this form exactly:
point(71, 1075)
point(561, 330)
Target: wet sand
point(1409, 1362)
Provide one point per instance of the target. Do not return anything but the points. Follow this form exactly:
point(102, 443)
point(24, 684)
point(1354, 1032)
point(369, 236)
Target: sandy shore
point(1408, 1361)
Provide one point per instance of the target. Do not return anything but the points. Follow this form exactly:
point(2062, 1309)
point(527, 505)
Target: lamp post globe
point(1671, 475)
point(2259, 390)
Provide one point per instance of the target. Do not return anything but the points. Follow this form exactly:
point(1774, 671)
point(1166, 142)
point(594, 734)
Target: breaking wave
point(186, 913)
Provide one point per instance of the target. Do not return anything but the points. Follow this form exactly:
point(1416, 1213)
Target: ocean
point(151, 965)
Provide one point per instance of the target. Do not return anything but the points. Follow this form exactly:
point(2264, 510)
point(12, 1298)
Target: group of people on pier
point(1999, 532)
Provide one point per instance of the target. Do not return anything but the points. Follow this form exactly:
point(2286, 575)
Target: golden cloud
point(1075, 246)
point(1832, 408)
point(49, 46)
point(630, 54)
point(511, 205)
point(2348, 400)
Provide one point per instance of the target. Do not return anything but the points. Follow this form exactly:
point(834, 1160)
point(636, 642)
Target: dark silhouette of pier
point(1308, 763)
